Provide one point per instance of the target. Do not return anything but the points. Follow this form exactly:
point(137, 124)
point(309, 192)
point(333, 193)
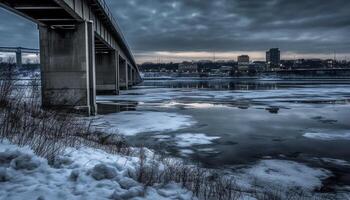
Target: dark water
point(254, 119)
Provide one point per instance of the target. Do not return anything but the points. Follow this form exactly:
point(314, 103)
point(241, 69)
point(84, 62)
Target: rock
point(131, 193)
point(127, 183)
point(60, 162)
point(102, 171)
point(74, 175)
point(7, 156)
point(4, 175)
point(25, 162)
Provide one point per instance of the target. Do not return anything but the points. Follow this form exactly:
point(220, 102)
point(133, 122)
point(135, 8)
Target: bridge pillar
point(68, 67)
point(133, 77)
point(129, 75)
point(123, 69)
point(19, 58)
point(107, 69)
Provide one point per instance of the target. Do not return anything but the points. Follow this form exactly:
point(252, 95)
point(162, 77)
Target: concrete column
point(118, 70)
point(129, 75)
point(134, 77)
point(123, 75)
point(67, 67)
point(107, 72)
point(19, 58)
point(126, 75)
point(92, 67)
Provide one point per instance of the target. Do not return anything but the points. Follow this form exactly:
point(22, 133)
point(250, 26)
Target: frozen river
point(229, 123)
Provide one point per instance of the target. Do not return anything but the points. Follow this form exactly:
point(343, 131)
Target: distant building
point(273, 58)
point(226, 70)
point(188, 67)
point(243, 64)
point(259, 65)
point(331, 63)
point(310, 64)
point(204, 61)
point(243, 59)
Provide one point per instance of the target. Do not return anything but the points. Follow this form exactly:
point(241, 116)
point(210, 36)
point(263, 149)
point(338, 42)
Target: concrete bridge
point(19, 51)
point(82, 50)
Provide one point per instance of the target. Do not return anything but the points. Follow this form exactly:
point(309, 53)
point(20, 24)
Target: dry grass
point(208, 184)
point(48, 132)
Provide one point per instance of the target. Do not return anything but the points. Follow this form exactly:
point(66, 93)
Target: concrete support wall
point(19, 59)
point(123, 75)
point(107, 65)
point(67, 67)
point(129, 75)
point(133, 77)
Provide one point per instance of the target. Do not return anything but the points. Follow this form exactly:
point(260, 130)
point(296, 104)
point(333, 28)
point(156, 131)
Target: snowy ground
point(93, 174)
point(79, 174)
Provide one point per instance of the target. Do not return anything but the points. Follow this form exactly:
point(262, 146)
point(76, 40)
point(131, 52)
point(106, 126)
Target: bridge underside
point(79, 55)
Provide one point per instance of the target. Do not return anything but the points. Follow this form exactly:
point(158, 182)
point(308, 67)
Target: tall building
point(243, 59)
point(243, 64)
point(273, 57)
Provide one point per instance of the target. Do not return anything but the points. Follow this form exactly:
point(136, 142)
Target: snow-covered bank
point(86, 173)
point(83, 173)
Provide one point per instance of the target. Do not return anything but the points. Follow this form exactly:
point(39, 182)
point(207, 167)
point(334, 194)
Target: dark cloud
point(303, 26)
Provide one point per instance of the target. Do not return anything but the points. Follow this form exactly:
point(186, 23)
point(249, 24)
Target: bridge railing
point(112, 19)
point(115, 23)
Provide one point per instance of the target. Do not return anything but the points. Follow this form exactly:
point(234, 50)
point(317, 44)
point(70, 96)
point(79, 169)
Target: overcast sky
point(195, 29)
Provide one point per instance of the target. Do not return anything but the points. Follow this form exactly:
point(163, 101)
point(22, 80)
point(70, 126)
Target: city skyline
point(195, 30)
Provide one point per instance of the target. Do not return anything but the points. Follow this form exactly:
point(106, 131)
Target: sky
point(159, 30)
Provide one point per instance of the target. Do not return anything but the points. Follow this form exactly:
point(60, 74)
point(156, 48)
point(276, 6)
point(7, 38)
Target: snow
point(162, 138)
point(191, 139)
point(186, 152)
point(134, 122)
point(336, 161)
point(192, 105)
point(283, 175)
point(328, 136)
point(84, 174)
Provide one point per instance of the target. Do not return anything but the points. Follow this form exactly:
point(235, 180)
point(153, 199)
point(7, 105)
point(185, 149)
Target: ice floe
point(336, 161)
point(283, 175)
point(134, 122)
point(192, 139)
point(328, 136)
point(186, 152)
point(192, 105)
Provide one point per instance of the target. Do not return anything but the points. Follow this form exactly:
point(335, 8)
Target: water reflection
point(253, 118)
point(237, 84)
point(110, 108)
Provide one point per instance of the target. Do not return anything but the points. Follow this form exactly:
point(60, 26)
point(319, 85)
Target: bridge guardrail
point(115, 23)
point(113, 20)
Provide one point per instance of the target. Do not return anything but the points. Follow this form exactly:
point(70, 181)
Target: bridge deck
point(65, 14)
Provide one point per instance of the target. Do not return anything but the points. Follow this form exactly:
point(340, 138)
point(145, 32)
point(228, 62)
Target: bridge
point(82, 51)
point(19, 51)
